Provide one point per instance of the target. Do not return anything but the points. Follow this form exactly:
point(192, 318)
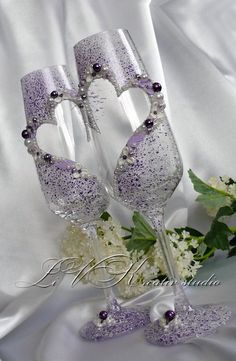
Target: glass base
point(119, 321)
point(197, 321)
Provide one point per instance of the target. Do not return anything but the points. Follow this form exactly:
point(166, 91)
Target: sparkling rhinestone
point(89, 78)
point(29, 128)
point(76, 175)
point(32, 148)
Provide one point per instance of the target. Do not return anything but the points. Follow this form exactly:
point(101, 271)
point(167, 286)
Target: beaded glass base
point(118, 321)
point(196, 322)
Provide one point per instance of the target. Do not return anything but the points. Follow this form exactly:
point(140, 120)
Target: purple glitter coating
point(146, 84)
point(198, 322)
point(65, 164)
point(114, 49)
point(153, 176)
point(145, 178)
point(75, 197)
point(37, 87)
point(124, 320)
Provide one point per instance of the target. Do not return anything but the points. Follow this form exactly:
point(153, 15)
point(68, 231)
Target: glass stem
point(157, 219)
point(91, 231)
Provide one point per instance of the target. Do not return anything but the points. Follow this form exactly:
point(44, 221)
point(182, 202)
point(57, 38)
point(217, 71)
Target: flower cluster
point(146, 266)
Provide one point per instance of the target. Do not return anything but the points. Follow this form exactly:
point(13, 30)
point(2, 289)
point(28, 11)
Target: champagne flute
point(71, 190)
point(141, 162)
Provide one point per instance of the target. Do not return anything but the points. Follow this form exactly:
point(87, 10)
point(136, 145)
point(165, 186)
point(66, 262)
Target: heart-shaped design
point(149, 167)
point(70, 189)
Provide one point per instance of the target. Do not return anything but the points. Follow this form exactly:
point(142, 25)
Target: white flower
point(146, 267)
point(79, 172)
point(126, 157)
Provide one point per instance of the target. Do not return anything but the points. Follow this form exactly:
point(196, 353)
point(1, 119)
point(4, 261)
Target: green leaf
point(232, 252)
point(139, 244)
point(142, 227)
point(218, 236)
point(224, 211)
point(143, 236)
point(105, 216)
point(209, 196)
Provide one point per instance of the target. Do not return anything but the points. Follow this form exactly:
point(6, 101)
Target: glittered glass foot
point(116, 321)
point(180, 327)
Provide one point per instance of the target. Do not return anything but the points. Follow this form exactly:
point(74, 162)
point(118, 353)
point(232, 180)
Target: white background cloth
point(195, 42)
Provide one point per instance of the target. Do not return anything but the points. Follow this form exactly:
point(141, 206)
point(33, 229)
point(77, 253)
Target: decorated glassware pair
point(139, 166)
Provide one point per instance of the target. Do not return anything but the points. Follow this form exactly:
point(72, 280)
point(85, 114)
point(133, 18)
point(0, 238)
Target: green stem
point(223, 192)
point(207, 255)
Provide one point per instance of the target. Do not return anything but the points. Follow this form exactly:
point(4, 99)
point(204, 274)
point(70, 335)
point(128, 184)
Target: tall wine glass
point(71, 190)
point(141, 162)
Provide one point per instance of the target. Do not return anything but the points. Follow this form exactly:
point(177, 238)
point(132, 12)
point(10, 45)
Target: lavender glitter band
point(116, 50)
point(37, 87)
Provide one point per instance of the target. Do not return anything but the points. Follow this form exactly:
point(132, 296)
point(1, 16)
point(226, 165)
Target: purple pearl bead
point(25, 134)
point(156, 87)
point(47, 157)
point(169, 315)
point(54, 94)
point(97, 67)
point(103, 315)
point(149, 123)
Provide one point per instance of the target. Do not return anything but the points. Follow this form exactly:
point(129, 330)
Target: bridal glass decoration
point(70, 189)
point(141, 165)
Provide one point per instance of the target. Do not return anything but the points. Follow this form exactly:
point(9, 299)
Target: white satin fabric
point(202, 108)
